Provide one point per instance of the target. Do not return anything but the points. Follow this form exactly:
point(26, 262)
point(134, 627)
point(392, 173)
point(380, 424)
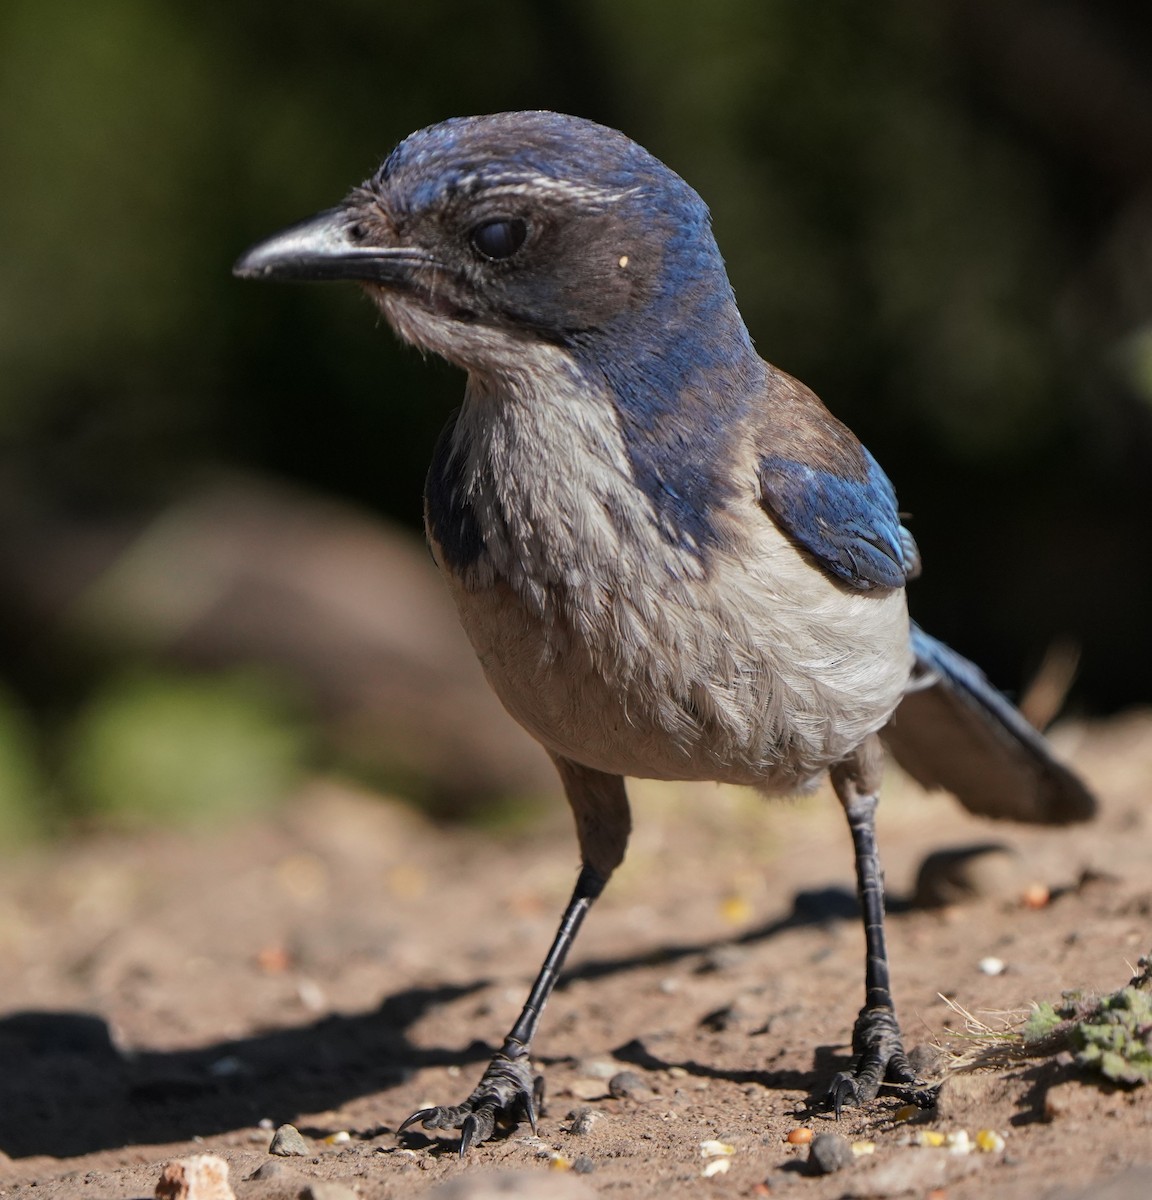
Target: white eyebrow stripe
point(547, 185)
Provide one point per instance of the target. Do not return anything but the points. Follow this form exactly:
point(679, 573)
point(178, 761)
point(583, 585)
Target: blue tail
point(954, 730)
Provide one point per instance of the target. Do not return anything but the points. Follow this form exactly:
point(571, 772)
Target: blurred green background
point(937, 215)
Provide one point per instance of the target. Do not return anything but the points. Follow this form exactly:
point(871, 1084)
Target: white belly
point(761, 671)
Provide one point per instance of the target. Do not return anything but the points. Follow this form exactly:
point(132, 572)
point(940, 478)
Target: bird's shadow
point(66, 1090)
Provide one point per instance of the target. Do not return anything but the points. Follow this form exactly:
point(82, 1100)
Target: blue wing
point(954, 730)
point(848, 522)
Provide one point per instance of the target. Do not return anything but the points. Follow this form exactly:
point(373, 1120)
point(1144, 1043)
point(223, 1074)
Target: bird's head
point(482, 236)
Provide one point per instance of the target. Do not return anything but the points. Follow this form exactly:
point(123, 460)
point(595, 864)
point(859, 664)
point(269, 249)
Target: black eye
point(500, 238)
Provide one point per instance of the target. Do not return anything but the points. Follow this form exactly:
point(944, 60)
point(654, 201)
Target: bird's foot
point(880, 1059)
point(508, 1093)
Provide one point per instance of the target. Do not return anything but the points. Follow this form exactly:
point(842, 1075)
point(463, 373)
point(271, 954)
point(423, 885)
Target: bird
point(672, 561)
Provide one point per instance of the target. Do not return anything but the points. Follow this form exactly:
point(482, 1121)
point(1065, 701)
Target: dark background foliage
point(937, 215)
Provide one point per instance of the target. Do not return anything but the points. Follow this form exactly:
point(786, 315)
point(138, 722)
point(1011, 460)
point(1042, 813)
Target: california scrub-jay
point(671, 559)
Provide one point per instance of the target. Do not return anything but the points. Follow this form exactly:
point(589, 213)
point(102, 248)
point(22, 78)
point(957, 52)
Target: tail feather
point(954, 730)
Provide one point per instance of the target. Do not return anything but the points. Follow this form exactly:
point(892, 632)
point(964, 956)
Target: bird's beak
point(323, 248)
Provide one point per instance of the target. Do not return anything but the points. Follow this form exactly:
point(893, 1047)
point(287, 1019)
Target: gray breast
point(746, 664)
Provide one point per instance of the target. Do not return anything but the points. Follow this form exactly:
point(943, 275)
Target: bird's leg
point(509, 1091)
point(876, 1039)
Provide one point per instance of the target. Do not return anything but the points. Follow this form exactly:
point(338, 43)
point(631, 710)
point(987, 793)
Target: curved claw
point(529, 1100)
point(842, 1091)
point(421, 1114)
point(468, 1132)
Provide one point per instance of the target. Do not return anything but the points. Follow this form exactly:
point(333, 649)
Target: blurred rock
point(582, 1120)
point(965, 874)
point(200, 1177)
point(287, 1142)
point(273, 1168)
point(629, 1085)
point(244, 571)
point(829, 1152)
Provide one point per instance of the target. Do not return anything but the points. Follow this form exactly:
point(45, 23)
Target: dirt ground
point(342, 962)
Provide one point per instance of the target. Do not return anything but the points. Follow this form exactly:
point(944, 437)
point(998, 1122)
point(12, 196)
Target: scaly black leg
point(876, 1039)
point(509, 1091)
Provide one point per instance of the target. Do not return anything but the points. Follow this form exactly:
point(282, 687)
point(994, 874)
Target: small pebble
point(288, 1143)
point(862, 1149)
point(799, 1137)
point(582, 1119)
point(628, 1085)
point(1036, 895)
point(992, 965)
point(718, 1166)
point(583, 1165)
point(199, 1177)
point(906, 1112)
point(338, 1138)
point(311, 995)
point(829, 1152)
point(270, 1169)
